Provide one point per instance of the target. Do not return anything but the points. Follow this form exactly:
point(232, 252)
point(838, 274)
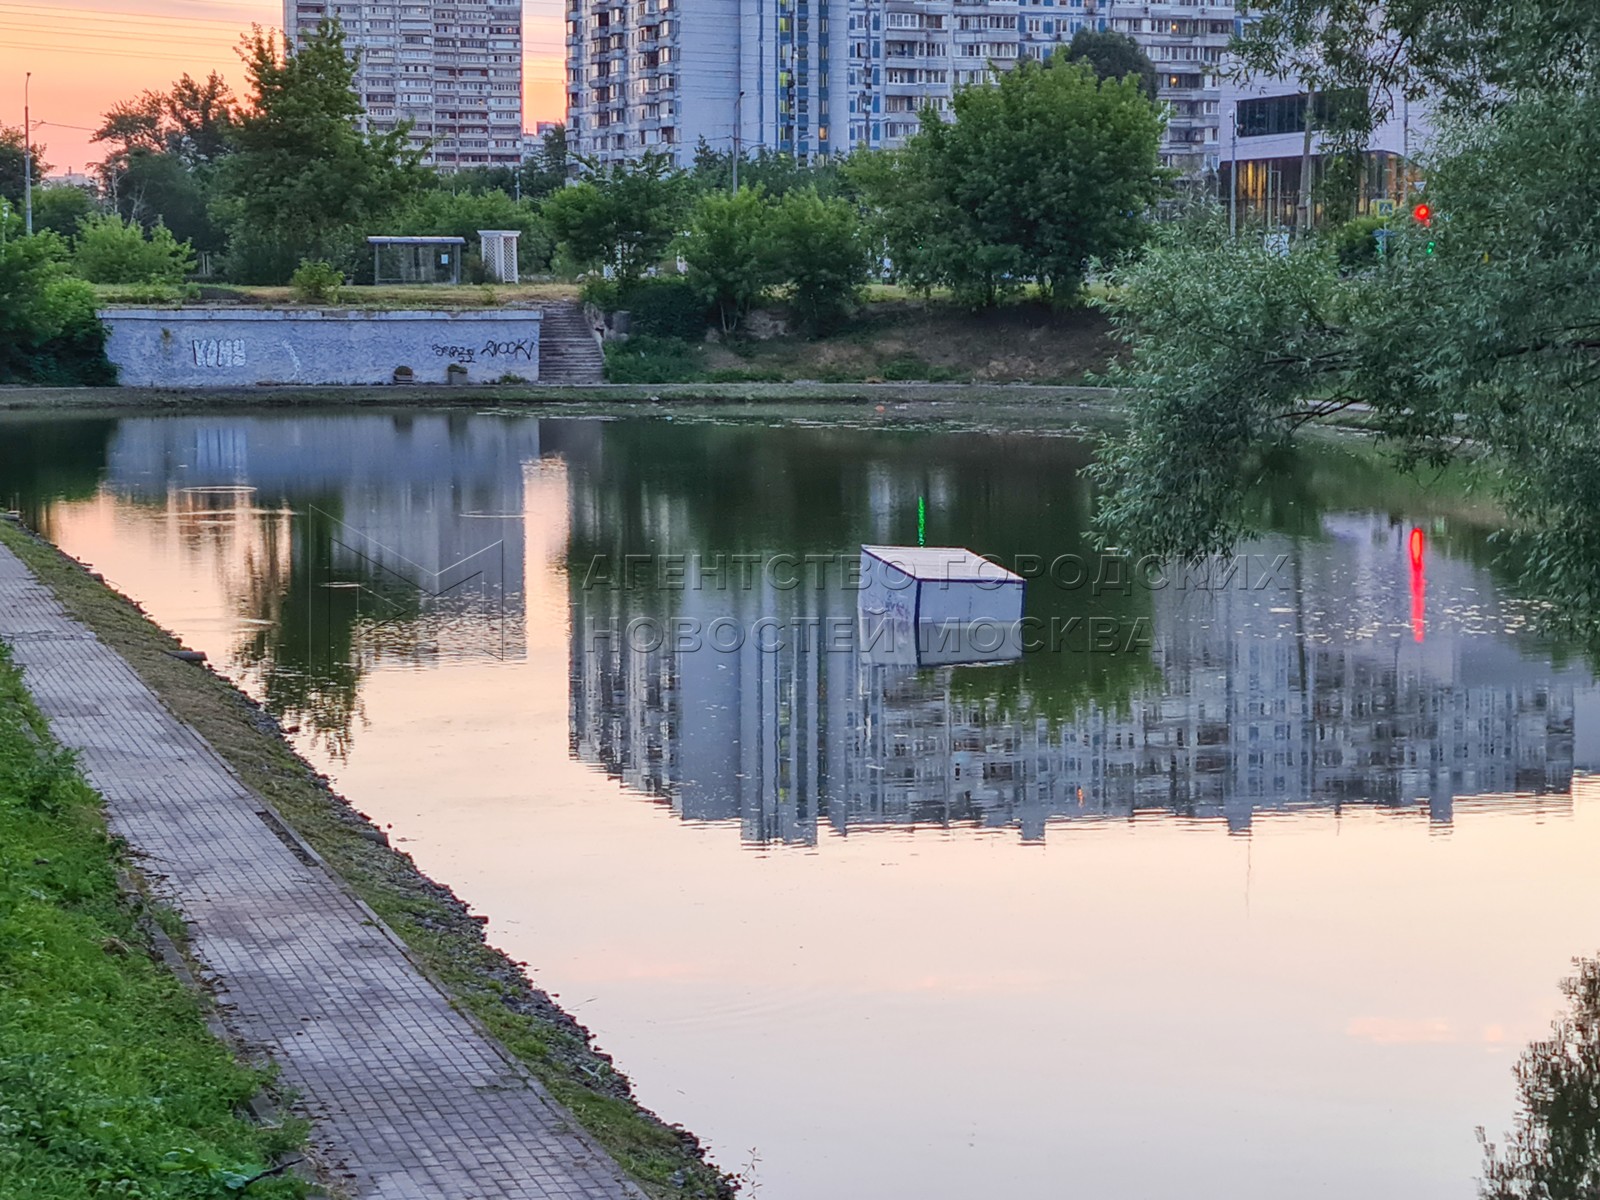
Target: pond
point(1257, 877)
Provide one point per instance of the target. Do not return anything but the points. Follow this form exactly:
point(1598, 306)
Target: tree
point(11, 160)
point(111, 250)
point(546, 169)
point(59, 209)
point(304, 181)
point(775, 172)
point(49, 332)
point(1039, 172)
point(201, 118)
point(162, 150)
point(730, 252)
point(1113, 56)
point(622, 216)
point(823, 255)
point(154, 188)
point(1482, 332)
point(1553, 1153)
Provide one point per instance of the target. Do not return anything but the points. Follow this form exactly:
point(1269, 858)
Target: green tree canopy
point(59, 209)
point(546, 168)
point(49, 332)
point(824, 256)
point(620, 216)
point(1479, 337)
point(1113, 56)
point(730, 251)
point(1039, 172)
point(11, 160)
point(1554, 1149)
point(303, 175)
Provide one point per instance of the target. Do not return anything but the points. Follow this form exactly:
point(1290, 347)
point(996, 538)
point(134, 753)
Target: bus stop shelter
point(416, 259)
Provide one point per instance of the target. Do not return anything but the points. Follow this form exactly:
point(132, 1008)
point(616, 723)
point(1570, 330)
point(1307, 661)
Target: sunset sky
point(86, 55)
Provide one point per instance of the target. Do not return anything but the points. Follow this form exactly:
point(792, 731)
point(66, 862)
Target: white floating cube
point(937, 605)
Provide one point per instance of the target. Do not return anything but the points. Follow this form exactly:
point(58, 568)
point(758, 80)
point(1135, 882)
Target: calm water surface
point(1265, 900)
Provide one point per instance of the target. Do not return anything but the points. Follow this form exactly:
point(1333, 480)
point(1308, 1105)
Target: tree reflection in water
point(1553, 1151)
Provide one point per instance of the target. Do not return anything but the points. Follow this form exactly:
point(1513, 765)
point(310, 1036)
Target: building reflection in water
point(1312, 696)
point(1344, 683)
point(349, 541)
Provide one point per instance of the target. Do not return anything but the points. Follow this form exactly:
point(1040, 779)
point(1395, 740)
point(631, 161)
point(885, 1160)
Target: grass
point(111, 1083)
point(403, 296)
point(441, 933)
point(894, 339)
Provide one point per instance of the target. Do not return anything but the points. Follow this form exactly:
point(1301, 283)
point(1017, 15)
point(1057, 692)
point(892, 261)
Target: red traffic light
point(1423, 214)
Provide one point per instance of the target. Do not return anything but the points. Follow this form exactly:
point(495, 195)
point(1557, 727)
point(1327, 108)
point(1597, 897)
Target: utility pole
point(27, 157)
point(738, 145)
point(1304, 222)
point(1233, 174)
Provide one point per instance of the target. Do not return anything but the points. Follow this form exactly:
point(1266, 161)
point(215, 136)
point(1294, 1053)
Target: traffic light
point(1423, 215)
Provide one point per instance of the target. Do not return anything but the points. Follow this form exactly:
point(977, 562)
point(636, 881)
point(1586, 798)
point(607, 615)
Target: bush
point(111, 250)
point(666, 308)
point(825, 256)
point(49, 331)
point(59, 209)
point(1356, 242)
point(600, 292)
point(646, 359)
point(316, 282)
point(728, 249)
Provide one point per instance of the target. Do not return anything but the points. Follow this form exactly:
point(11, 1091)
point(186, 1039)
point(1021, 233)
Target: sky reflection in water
point(989, 925)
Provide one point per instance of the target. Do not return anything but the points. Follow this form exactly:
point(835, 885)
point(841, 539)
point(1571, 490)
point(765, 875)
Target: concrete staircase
point(569, 352)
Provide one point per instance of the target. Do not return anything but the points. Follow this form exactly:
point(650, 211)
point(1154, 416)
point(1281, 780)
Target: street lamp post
point(738, 146)
point(1233, 173)
point(27, 158)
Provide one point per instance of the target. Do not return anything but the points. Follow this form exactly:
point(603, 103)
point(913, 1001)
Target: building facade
point(1263, 130)
point(454, 70)
point(814, 78)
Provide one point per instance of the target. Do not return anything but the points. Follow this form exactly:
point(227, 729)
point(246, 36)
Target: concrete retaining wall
point(221, 348)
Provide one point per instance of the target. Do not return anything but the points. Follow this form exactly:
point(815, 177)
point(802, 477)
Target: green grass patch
point(647, 359)
point(111, 1083)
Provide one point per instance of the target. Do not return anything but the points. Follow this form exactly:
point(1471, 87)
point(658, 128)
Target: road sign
point(1383, 208)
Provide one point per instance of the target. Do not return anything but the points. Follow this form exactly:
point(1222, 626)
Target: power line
point(76, 50)
point(112, 35)
point(43, 10)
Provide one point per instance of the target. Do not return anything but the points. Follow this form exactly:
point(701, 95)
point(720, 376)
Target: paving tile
point(403, 1091)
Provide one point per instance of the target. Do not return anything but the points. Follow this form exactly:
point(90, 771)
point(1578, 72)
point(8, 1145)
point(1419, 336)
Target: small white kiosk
point(499, 251)
point(929, 606)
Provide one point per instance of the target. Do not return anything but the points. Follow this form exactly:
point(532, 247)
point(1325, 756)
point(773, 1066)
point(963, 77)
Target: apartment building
point(453, 69)
point(819, 77)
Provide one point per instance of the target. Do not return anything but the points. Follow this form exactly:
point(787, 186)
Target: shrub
point(646, 359)
point(600, 292)
point(316, 282)
point(111, 250)
point(825, 256)
point(59, 209)
point(666, 308)
point(49, 331)
point(728, 248)
point(1356, 242)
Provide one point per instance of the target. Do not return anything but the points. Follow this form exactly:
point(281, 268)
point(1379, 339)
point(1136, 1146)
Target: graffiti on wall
point(218, 352)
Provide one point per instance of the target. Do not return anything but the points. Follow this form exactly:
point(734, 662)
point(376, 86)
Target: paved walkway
point(406, 1098)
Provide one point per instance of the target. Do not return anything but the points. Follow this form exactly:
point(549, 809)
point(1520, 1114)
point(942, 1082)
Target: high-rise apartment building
point(453, 68)
point(819, 77)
